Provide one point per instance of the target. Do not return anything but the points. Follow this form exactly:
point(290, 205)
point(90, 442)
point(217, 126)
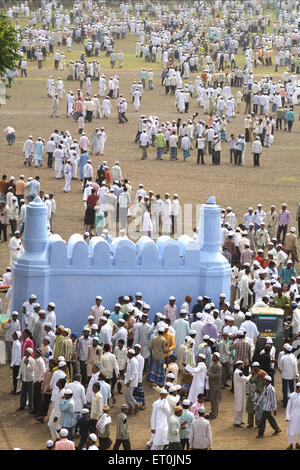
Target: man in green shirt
point(174, 428)
point(280, 300)
point(160, 143)
point(122, 435)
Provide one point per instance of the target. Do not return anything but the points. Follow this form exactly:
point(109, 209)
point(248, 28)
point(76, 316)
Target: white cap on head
point(289, 348)
point(64, 432)
point(256, 364)
point(268, 378)
point(93, 437)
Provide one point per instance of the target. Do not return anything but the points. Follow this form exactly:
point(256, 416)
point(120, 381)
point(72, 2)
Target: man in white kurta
point(199, 378)
point(239, 381)
point(293, 417)
point(182, 329)
point(159, 421)
point(167, 205)
point(15, 247)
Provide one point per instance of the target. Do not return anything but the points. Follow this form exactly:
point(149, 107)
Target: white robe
point(293, 415)
point(159, 421)
point(239, 382)
point(199, 379)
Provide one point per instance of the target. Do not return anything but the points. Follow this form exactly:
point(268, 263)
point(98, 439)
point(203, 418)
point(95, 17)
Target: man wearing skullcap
point(16, 358)
point(200, 380)
point(131, 380)
point(158, 346)
point(182, 329)
point(215, 384)
point(256, 385)
point(174, 428)
point(64, 443)
point(12, 325)
point(122, 433)
point(39, 374)
point(26, 375)
point(267, 403)
point(240, 381)
point(82, 350)
point(187, 417)
point(66, 408)
point(293, 418)
point(201, 435)
point(289, 372)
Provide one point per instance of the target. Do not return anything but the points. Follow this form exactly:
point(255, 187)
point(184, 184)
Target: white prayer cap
point(106, 312)
point(289, 348)
point(49, 443)
point(240, 333)
point(121, 320)
point(111, 190)
point(269, 341)
point(169, 384)
point(186, 402)
point(293, 229)
point(238, 362)
point(136, 345)
point(146, 306)
point(33, 296)
point(85, 411)
point(64, 432)
point(171, 376)
point(256, 364)
point(158, 315)
point(93, 437)
point(103, 318)
point(14, 313)
point(184, 311)
point(199, 297)
point(199, 315)
point(172, 297)
point(62, 363)
point(94, 326)
point(98, 297)
point(228, 208)
point(51, 304)
point(91, 317)
point(36, 304)
point(60, 358)
point(139, 294)
point(178, 387)
point(268, 378)
point(216, 354)
point(161, 329)
point(141, 185)
point(86, 328)
point(205, 337)
point(29, 350)
point(298, 384)
point(163, 391)
point(289, 261)
point(68, 391)
point(236, 307)
point(172, 389)
point(126, 298)
point(256, 263)
point(207, 307)
point(222, 295)
point(202, 355)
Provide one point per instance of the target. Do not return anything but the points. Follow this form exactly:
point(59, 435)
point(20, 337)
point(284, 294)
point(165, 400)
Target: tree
point(9, 45)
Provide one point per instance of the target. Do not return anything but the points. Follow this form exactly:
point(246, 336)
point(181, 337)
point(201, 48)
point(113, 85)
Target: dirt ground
point(276, 181)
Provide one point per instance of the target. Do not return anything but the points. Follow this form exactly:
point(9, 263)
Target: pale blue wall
point(73, 274)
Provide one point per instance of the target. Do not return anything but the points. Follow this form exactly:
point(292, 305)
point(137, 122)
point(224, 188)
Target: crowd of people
point(211, 56)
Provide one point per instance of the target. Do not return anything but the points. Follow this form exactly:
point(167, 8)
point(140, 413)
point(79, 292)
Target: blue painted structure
point(73, 274)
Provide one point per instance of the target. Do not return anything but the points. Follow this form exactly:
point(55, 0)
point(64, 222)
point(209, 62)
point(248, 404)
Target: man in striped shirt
point(267, 403)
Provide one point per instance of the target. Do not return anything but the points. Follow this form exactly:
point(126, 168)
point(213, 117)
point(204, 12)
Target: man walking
point(267, 403)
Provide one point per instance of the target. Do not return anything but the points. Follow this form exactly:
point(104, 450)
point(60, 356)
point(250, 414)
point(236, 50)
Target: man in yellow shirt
point(170, 340)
